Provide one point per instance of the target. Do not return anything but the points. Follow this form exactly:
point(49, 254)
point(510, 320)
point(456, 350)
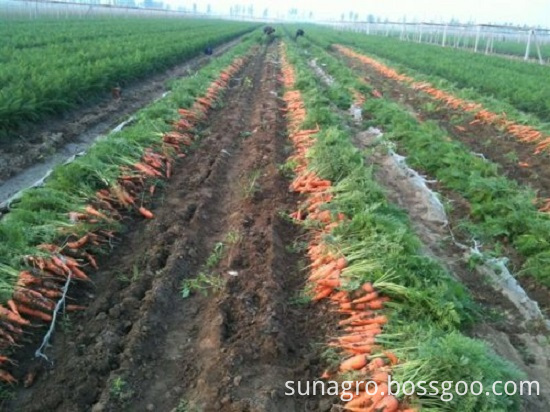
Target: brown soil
point(492, 143)
point(139, 345)
point(36, 142)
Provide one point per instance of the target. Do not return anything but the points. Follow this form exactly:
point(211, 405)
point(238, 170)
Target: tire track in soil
point(139, 345)
point(477, 138)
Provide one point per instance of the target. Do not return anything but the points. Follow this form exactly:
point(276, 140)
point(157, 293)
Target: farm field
point(31, 147)
point(268, 221)
point(514, 82)
point(501, 46)
point(50, 66)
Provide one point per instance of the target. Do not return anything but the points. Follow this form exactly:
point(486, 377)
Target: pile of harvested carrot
point(41, 283)
point(361, 309)
point(523, 133)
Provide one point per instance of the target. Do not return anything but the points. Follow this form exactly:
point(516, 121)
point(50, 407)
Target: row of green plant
point(428, 311)
point(501, 44)
point(41, 215)
point(22, 34)
point(515, 83)
point(53, 77)
point(502, 213)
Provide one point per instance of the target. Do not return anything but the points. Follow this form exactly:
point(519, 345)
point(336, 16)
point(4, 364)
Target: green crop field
point(308, 205)
point(515, 82)
point(49, 66)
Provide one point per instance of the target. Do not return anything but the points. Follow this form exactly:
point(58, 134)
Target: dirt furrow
point(140, 345)
point(259, 343)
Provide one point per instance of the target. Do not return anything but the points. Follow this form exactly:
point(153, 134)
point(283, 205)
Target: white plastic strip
point(60, 304)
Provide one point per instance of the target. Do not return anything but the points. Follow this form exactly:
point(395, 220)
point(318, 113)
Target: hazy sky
point(532, 12)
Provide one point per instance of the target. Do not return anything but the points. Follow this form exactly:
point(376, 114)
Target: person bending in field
point(208, 50)
point(299, 33)
point(269, 30)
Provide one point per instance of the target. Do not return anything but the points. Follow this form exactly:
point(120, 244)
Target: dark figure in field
point(299, 33)
point(269, 30)
point(208, 51)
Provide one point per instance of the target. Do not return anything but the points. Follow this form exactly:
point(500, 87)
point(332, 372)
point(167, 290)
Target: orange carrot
point(146, 213)
point(356, 315)
point(341, 263)
point(14, 317)
point(34, 313)
point(72, 308)
point(373, 329)
point(358, 350)
point(377, 397)
point(33, 298)
point(79, 274)
point(60, 264)
point(4, 359)
point(6, 377)
point(78, 243)
point(354, 363)
point(148, 170)
point(367, 287)
point(48, 247)
point(387, 404)
point(50, 267)
point(356, 338)
point(323, 293)
point(360, 401)
point(376, 304)
point(91, 211)
point(341, 296)
point(367, 298)
point(330, 283)
point(325, 375)
point(380, 377)
point(391, 357)
point(363, 322)
point(376, 364)
point(13, 307)
point(323, 271)
point(91, 260)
